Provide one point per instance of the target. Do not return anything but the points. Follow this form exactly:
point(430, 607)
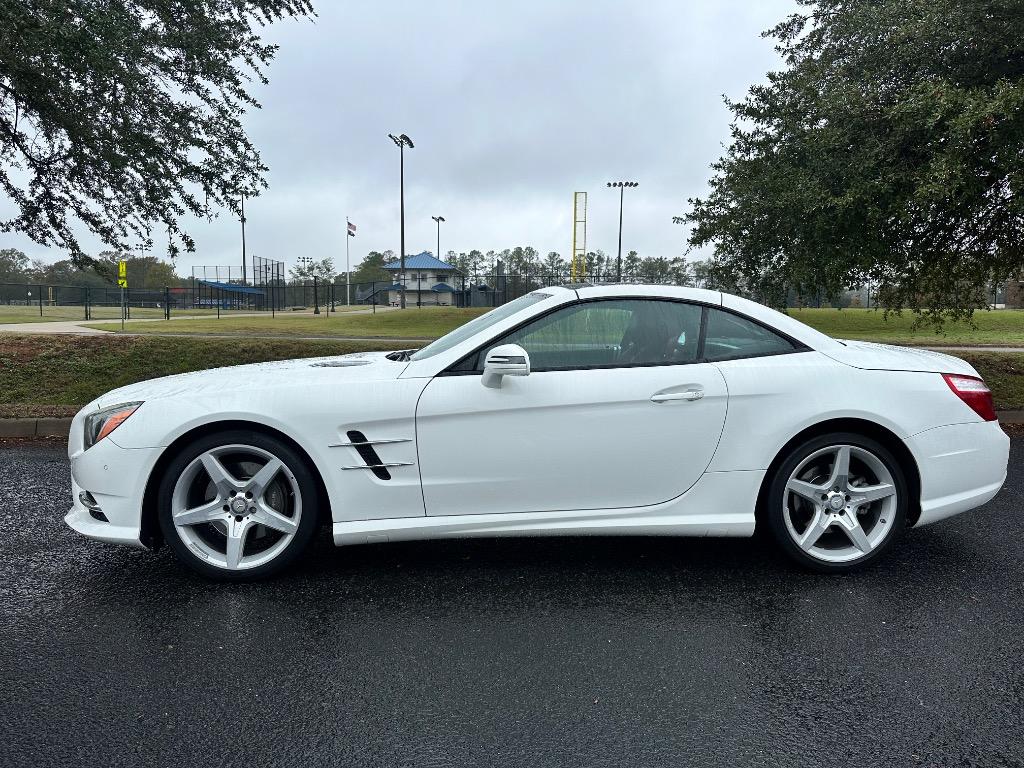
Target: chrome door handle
point(665, 397)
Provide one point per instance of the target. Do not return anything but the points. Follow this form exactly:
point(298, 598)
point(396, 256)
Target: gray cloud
point(512, 106)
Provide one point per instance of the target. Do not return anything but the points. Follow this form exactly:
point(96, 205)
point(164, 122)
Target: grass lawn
point(413, 323)
point(1004, 374)
point(44, 375)
point(15, 313)
point(143, 313)
point(1003, 327)
point(51, 375)
point(30, 314)
point(995, 328)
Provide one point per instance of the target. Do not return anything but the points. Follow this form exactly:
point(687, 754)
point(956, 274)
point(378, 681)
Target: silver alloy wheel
point(232, 497)
point(840, 503)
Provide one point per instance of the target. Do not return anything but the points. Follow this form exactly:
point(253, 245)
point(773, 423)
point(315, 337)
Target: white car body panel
point(885, 357)
point(557, 440)
point(770, 402)
point(949, 454)
point(555, 452)
point(715, 506)
point(116, 478)
point(304, 400)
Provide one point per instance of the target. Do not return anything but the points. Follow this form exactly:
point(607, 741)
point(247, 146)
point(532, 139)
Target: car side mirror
point(505, 360)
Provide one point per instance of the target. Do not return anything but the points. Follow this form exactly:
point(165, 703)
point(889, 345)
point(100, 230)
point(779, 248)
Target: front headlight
point(100, 424)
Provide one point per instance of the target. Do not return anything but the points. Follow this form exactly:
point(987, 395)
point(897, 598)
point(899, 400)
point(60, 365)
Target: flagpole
point(348, 273)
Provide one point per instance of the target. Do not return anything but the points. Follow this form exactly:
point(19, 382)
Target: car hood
point(360, 366)
point(886, 357)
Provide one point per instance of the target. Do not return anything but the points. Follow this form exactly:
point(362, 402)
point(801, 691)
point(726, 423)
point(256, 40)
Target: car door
point(617, 411)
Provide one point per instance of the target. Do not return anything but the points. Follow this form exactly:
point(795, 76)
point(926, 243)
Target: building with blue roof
point(428, 281)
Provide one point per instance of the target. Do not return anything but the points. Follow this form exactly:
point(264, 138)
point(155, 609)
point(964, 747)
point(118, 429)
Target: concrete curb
point(54, 427)
point(41, 427)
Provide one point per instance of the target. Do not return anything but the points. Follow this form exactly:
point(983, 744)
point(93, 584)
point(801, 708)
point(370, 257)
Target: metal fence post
point(40, 300)
point(167, 302)
point(316, 296)
point(87, 303)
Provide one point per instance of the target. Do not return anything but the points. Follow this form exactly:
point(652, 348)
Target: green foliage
point(13, 264)
point(888, 149)
point(554, 263)
point(143, 271)
point(64, 272)
point(126, 115)
point(322, 270)
point(371, 269)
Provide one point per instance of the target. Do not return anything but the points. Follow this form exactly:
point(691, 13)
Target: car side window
point(612, 333)
point(730, 336)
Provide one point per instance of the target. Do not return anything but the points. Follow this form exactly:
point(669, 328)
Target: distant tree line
point(477, 267)
point(481, 266)
point(143, 271)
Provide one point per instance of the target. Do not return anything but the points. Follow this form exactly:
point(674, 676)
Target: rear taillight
point(974, 392)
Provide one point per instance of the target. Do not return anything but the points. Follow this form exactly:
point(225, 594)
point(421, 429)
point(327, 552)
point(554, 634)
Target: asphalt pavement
point(528, 652)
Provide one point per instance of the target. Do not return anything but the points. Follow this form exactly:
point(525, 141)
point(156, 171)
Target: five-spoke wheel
point(237, 505)
point(837, 502)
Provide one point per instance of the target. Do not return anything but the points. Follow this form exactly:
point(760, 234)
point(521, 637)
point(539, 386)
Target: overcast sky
point(513, 106)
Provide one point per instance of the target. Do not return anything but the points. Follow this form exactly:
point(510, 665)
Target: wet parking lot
point(583, 652)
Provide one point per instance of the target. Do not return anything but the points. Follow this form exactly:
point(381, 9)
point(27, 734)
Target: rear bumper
point(962, 466)
point(116, 477)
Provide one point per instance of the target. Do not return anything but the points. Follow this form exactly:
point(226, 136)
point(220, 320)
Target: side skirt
point(719, 504)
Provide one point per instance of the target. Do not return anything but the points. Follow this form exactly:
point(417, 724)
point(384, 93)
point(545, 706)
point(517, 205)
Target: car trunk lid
point(886, 357)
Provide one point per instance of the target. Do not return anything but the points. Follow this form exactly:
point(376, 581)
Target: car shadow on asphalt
point(525, 571)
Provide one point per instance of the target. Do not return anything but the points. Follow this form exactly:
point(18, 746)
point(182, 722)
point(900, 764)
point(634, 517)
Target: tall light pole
point(438, 219)
point(622, 188)
point(402, 141)
point(243, 239)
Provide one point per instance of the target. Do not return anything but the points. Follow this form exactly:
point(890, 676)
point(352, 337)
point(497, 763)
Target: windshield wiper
point(401, 356)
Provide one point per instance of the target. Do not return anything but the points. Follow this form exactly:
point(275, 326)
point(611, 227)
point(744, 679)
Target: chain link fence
point(27, 302)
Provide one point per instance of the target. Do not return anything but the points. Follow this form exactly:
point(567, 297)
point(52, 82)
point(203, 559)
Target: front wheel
point(238, 505)
point(838, 502)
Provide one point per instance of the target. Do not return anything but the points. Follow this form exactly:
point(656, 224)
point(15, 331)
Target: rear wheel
point(838, 502)
point(237, 505)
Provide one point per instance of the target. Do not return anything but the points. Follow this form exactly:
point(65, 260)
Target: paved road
point(512, 653)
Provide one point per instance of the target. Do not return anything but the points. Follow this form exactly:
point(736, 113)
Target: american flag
point(351, 229)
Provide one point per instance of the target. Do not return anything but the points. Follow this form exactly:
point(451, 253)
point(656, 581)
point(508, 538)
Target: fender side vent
point(368, 454)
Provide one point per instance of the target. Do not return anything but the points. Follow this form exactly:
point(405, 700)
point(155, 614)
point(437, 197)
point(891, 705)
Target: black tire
point(775, 512)
point(295, 468)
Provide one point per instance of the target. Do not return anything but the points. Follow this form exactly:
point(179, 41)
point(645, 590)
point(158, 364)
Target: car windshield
point(481, 323)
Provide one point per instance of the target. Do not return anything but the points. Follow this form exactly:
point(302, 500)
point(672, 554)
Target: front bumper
point(962, 466)
point(116, 477)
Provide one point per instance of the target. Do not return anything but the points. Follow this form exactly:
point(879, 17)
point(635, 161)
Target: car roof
point(702, 295)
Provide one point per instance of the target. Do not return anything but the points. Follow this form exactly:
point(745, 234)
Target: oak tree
point(125, 115)
point(888, 149)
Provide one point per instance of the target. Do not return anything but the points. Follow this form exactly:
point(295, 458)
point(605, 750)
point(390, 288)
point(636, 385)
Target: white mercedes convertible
point(611, 410)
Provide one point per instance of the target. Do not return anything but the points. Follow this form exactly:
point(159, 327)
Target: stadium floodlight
point(438, 219)
point(401, 141)
point(622, 188)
